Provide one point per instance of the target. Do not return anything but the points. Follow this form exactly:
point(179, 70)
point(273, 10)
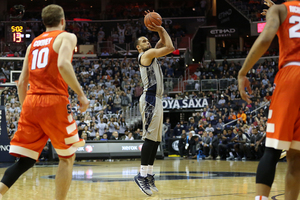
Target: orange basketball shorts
point(43, 117)
point(283, 127)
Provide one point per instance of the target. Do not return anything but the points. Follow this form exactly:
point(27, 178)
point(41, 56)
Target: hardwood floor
point(175, 179)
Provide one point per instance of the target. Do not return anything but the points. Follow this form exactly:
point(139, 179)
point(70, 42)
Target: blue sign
point(4, 140)
point(184, 103)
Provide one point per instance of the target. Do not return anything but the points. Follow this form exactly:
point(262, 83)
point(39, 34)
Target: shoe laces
point(151, 180)
point(144, 183)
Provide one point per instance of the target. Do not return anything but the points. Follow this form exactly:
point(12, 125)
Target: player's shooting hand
point(268, 3)
point(244, 83)
point(84, 103)
point(155, 28)
point(148, 11)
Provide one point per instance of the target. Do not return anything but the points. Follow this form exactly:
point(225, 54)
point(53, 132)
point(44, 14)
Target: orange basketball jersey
point(289, 35)
point(44, 76)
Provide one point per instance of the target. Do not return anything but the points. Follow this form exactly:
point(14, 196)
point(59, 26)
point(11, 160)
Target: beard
point(146, 48)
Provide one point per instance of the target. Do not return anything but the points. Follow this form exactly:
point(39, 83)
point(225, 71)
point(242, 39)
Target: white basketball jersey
point(152, 77)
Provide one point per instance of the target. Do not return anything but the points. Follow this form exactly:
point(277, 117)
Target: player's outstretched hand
point(244, 83)
point(84, 103)
point(268, 3)
point(155, 28)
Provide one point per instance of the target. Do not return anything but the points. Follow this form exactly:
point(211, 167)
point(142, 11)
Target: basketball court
point(175, 178)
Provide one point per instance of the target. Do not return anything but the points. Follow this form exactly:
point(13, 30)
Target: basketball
point(152, 17)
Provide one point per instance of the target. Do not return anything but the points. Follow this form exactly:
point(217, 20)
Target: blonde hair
point(52, 14)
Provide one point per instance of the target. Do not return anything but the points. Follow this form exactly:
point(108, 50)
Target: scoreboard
point(15, 32)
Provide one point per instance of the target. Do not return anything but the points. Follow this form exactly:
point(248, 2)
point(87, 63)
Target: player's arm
point(66, 70)
point(163, 51)
point(264, 40)
point(24, 78)
point(160, 44)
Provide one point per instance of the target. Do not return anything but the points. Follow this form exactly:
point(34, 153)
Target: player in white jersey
point(151, 103)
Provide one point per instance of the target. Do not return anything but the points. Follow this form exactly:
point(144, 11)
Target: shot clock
point(15, 32)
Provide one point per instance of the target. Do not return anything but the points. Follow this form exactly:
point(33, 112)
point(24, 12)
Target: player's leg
point(141, 179)
point(61, 128)
point(282, 117)
point(156, 128)
point(63, 177)
point(292, 183)
point(12, 173)
point(266, 172)
point(27, 143)
point(150, 174)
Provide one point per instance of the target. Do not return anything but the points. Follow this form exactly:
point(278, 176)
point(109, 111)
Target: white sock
point(261, 198)
point(0, 196)
point(150, 169)
point(230, 154)
point(144, 170)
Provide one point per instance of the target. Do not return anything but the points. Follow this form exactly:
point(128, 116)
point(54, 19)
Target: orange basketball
point(152, 17)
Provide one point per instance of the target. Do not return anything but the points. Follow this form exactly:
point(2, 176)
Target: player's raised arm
point(66, 70)
point(24, 78)
point(166, 49)
point(258, 49)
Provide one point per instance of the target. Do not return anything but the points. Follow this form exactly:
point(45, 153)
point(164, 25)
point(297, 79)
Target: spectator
point(204, 144)
point(117, 102)
point(129, 137)
point(97, 136)
point(220, 126)
point(104, 53)
point(124, 102)
point(209, 128)
point(104, 137)
point(242, 116)
point(115, 136)
point(177, 130)
point(182, 145)
point(222, 100)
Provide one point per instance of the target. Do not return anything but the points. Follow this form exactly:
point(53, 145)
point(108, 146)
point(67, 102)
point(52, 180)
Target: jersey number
point(293, 31)
point(40, 58)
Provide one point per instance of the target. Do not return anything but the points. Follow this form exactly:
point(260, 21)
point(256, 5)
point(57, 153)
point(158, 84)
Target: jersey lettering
point(40, 58)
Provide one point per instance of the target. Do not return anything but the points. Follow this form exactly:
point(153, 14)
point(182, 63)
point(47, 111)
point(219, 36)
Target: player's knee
point(26, 163)
point(68, 160)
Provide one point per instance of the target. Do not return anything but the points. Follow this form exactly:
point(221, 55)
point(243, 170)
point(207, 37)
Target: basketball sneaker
point(151, 181)
point(143, 184)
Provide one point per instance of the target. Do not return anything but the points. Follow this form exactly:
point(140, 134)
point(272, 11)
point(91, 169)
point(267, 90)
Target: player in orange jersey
point(46, 111)
point(283, 128)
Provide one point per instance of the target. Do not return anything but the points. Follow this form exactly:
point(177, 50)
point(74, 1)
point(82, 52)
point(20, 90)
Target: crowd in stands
point(116, 9)
point(113, 85)
point(229, 129)
point(253, 8)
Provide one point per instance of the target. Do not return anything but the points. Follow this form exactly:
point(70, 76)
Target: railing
point(225, 83)
point(174, 85)
point(253, 111)
point(105, 46)
point(191, 85)
point(132, 115)
point(209, 84)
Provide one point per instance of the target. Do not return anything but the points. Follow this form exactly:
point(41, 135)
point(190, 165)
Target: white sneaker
point(230, 158)
point(218, 158)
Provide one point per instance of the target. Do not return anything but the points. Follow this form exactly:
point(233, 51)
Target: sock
point(261, 198)
point(144, 170)
point(150, 169)
point(230, 154)
point(0, 196)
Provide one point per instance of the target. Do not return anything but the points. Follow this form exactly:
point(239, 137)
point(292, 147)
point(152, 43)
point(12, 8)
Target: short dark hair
point(52, 14)
point(137, 42)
